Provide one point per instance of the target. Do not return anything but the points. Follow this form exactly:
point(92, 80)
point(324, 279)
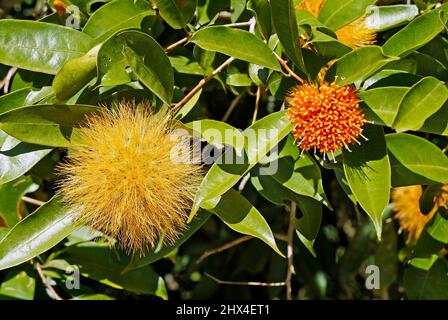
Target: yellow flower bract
point(355, 35)
point(122, 180)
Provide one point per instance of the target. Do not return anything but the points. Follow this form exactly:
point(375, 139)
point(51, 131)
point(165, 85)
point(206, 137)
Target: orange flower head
point(131, 177)
point(60, 7)
point(406, 204)
point(326, 116)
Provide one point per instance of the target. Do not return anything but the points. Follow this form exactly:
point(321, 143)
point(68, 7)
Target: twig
point(249, 283)
point(243, 182)
point(290, 251)
point(257, 104)
point(44, 279)
point(178, 43)
point(202, 83)
point(234, 243)
point(232, 107)
point(224, 247)
point(5, 82)
point(238, 24)
point(33, 201)
point(290, 72)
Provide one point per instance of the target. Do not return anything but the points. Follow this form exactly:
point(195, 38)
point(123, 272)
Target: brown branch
point(178, 43)
point(234, 243)
point(224, 247)
point(33, 201)
point(290, 72)
point(257, 104)
point(249, 283)
point(202, 83)
point(4, 84)
point(45, 282)
point(290, 251)
point(232, 107)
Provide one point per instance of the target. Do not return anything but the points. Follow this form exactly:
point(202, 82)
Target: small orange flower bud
point(60, 7)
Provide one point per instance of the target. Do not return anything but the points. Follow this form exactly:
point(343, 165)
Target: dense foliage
point(338, 188)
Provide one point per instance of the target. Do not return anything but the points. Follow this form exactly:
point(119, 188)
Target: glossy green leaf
point(438, 122)
point(368, 173)
point(39, 46)
point(217, 133)
point(37, 233)
point(177, 13)
point(164, 250)
point(150, 63)
point(427, 285)
point(381, 18)
point(116, 16)
point(100, 262)
point(17, 157)
point(439, 229)
point(360, 64)
point(417, 33)
point(422, 100)
point(50, 125)
point(18, 285)
point(239, 214)
point(23, 97)
point(74, 75)
point(222, 176)
point(285, 23)
point(237, 43)
point(337, 13)
point(383, 103)
point(263, 15)
point(415, 160)
point(10, 198)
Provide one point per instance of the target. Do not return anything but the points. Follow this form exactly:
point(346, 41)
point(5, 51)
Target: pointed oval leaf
point(177, 13)
point(337, 13)
point(39, 46)
point(37, 233)
point(415, 160)
point(237, 43)
point(368, 173)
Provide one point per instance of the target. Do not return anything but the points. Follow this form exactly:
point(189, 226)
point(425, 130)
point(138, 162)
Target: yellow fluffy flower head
point(406, 204)
point(355, 35)
point(122, 178)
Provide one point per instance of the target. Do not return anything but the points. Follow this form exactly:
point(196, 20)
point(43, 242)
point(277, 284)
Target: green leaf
point(438, 122)
point(23, 97)
point(415, 160)
point(337, 13)
point(40, 47)
point(16, 157)
point(116, 16)
point(424, 99)
point(187, 107)
point(50, 125)
point(164, 250)
point(74, 75)
point(101, 263)
point(308, 225)
point(177, 13)
point(360, 64)
point(417, 33)
point(368, 173)
point(381, 18)
point(150, 63)
point(37, 233)
point(217, 133)
point(285, 23)
point(239, 214)
point(237, 43)
point(427, 285)
point(222, 176)
point(262, 13)
point(383, 103)
point(238, 80)
point(112, 63)
point(10, 198)
point(439, 229)
point(18, 285)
